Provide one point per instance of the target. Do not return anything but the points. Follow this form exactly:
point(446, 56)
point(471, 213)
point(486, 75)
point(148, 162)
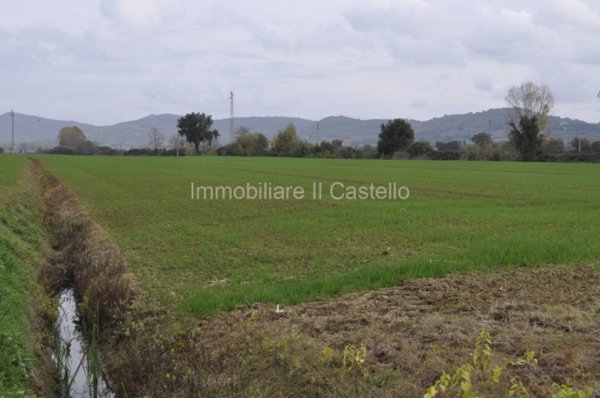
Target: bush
point(446, 155)
point(139, 152)
point(493, 152)
point(61, 150)
point(420, 149)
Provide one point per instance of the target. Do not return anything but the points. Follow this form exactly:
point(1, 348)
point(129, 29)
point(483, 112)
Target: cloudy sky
point(106, 61)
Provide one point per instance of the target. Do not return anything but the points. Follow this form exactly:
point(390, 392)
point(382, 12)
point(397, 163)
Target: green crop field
point(206, 255)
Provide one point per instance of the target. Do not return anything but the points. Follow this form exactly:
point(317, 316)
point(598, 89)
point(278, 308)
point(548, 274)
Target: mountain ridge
point(40, 131)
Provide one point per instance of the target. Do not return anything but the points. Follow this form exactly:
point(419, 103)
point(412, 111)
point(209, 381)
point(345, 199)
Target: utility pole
point(12, 146)
point(490, 128)
point(231, 116)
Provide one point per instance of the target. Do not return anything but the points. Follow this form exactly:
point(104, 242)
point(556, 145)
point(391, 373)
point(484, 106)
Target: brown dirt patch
point(421, 327)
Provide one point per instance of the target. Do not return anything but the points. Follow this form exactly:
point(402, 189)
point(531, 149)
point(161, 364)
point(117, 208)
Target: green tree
point(526, 138)
point(581, 144)
point(396, 135)
point(482, 140)
point(302, 149)
point(286, 142)
point(419, 149)
point(196, 128)
point(86, 148)
point(252, 144)
point(450, 146)
point(71, 137)
point(553, 146)
point(596, 146)
point(324, 149)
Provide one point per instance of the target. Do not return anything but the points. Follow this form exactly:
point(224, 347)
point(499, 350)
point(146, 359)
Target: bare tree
point(530, 100)
point(157, 139)
point(177, 142)
point(241, 131)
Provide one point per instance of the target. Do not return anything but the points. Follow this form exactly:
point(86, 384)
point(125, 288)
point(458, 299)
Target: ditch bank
point(86, 262)
point(26, 310)
point(147, 350)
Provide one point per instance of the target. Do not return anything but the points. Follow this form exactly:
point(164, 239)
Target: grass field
point(10, 169)
point(209, 255)
point(20, 242)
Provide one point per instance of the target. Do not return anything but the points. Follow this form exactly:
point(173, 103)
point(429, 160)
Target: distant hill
point(42, 132)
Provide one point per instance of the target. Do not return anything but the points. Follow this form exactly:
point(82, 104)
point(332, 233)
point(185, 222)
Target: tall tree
point(530, 100)
point(71, 137)
point(196, 128)
point(395, 136)
point(482, 140)
point(526, 137)
point(286, 141)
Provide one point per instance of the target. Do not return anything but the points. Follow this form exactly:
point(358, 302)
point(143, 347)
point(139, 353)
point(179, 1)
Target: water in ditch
point(77, 358)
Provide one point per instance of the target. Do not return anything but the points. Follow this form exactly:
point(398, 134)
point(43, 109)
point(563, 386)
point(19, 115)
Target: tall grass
point(209, 255)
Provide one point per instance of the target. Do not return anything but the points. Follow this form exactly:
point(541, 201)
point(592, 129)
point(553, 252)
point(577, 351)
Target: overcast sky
point(106, 61)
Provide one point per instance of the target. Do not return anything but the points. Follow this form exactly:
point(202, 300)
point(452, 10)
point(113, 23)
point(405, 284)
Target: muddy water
point(75, 357)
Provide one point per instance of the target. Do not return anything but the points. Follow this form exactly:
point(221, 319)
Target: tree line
point(529, 139)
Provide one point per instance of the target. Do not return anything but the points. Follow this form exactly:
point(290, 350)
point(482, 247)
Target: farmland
point(202, 256)
point(11, 167)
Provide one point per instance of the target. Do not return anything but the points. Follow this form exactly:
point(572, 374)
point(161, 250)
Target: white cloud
point(110, 60)
point(141, 15)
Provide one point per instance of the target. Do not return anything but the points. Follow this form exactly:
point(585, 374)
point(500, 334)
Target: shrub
point(420, 149)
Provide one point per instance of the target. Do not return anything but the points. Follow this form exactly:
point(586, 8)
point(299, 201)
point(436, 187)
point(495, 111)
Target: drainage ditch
point(77, 357)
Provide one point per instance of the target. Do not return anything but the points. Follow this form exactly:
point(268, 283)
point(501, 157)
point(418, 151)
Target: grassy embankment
point(21, 298)
point(211, 255)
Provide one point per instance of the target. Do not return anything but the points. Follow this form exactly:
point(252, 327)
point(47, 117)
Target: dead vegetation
point(416, 330)
point(410, 333)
